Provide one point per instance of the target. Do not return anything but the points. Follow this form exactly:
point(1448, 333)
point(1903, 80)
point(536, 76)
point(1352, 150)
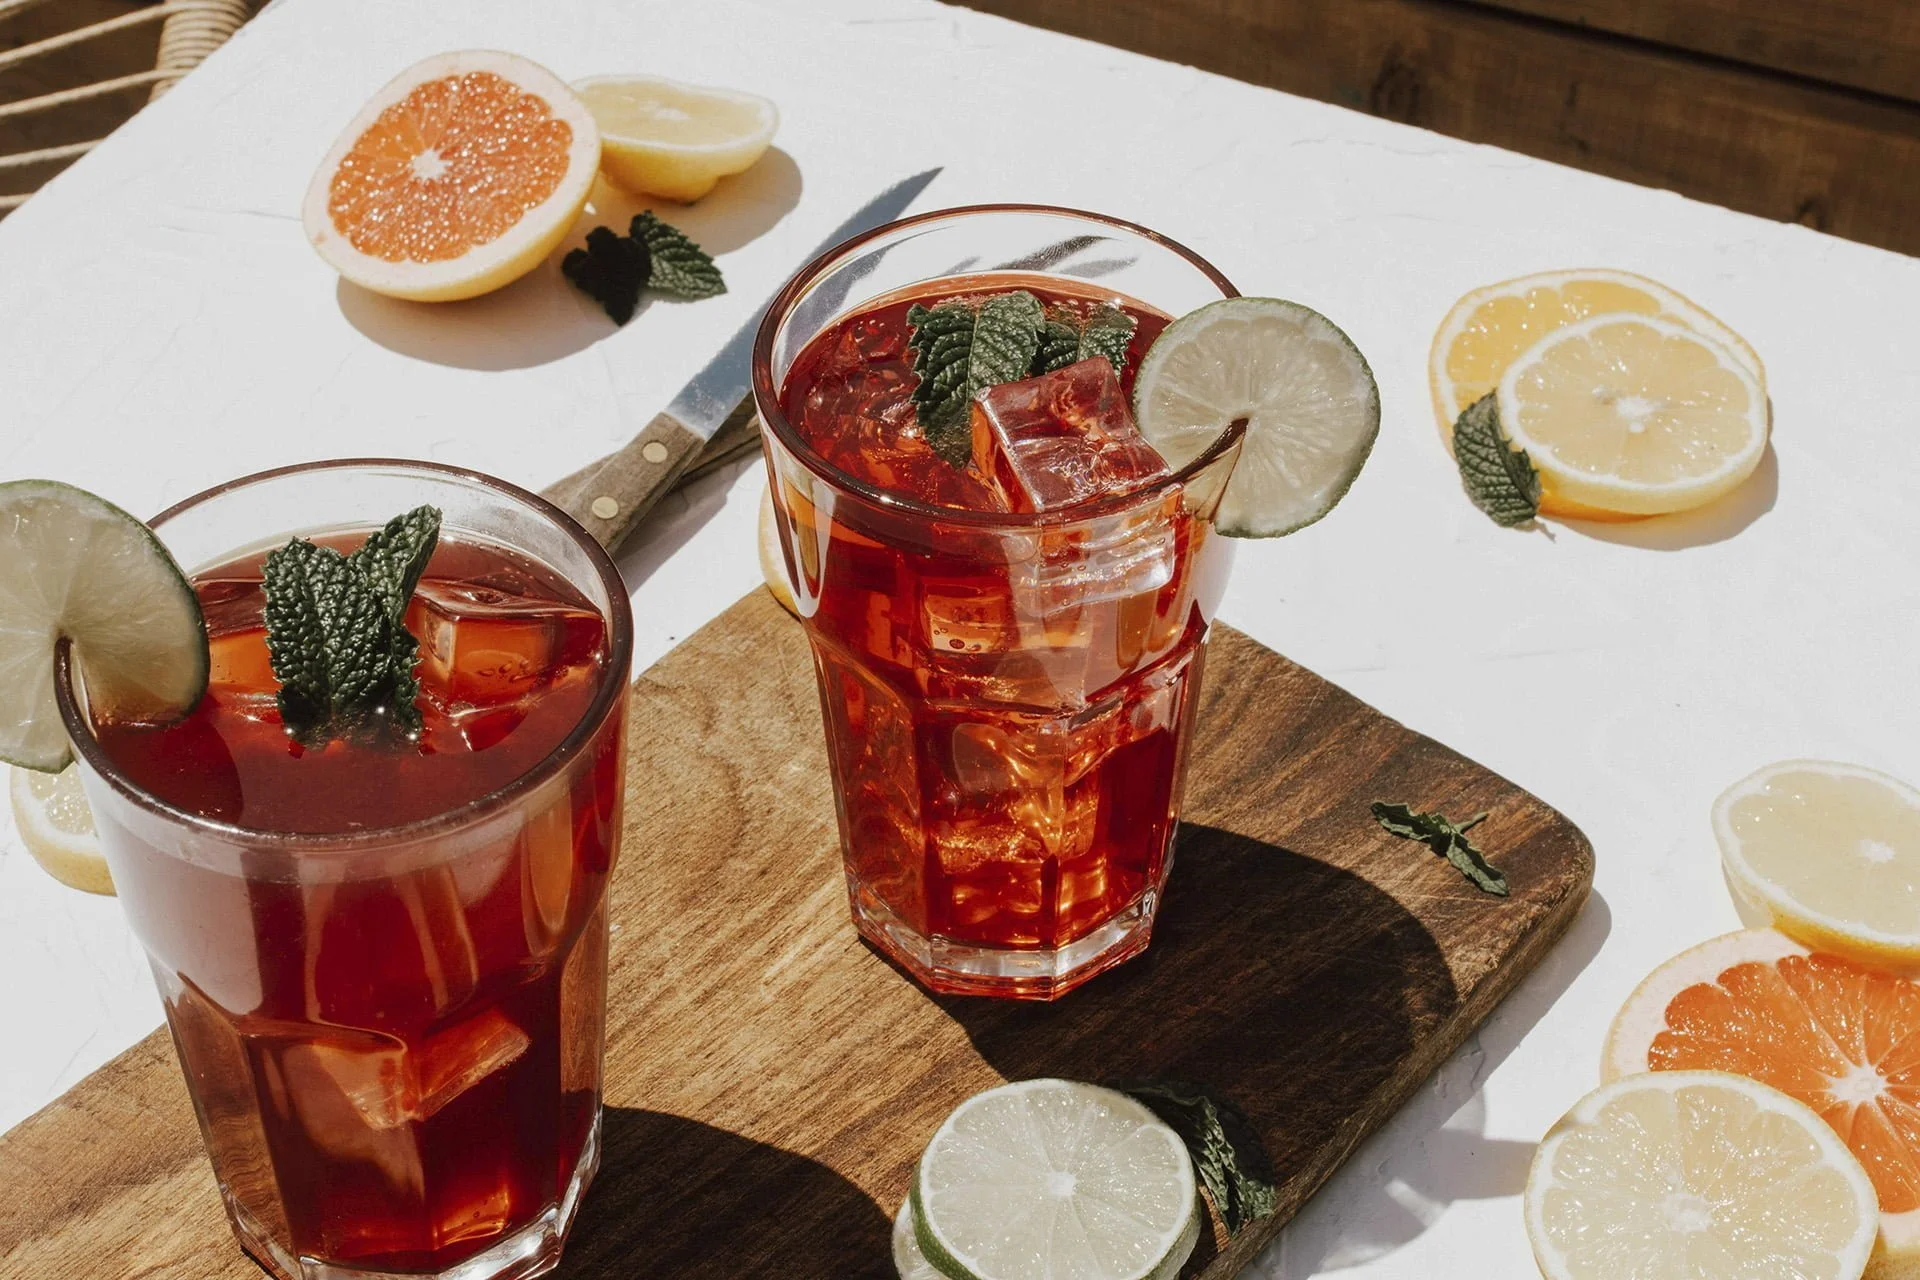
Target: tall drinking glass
point(388, 1000)
point(1008, 696)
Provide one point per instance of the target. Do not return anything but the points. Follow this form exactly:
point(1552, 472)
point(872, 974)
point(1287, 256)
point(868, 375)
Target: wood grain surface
point(1781, 146)
point(770, 1080)
point(1866, 44)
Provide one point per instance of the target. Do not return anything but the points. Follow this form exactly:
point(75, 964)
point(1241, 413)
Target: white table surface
point(166, 327)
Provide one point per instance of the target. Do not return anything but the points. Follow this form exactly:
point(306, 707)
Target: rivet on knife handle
point(611, 500)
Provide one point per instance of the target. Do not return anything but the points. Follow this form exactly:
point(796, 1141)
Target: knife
point(711, 420)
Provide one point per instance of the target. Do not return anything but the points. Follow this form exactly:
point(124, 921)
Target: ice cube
point(349, 1080)
point(1062, 438)
point(484, 644)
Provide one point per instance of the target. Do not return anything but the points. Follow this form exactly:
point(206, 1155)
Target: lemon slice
point(1050, 1178)
point(773, 561)
point(1828, 854)
point(77, 566)
point(1487, 329)
point(1311, 406)
point(663, 138)
point(57, 827)
point(1697, 1175)
point(457, 178)
point(1634, 414)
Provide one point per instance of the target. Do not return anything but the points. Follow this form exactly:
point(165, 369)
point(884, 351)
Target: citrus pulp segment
point(664, 138)
point(458, 177)
point(1837, 1036)
point(1830, 854)
point(1055, 1178)
point(76, 566)
point(1634, 414)
point(1310, 402)
point(1696, 1175)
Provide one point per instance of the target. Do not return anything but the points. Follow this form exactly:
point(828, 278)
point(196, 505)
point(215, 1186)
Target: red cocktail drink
point(1008, 644)
point(383, 958)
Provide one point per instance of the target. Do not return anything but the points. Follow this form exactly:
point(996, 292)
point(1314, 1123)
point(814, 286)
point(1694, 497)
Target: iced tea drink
point(383, 959)
point(1008, 646)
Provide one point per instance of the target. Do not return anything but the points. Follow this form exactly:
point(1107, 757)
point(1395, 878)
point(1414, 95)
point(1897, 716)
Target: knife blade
point(710, 420)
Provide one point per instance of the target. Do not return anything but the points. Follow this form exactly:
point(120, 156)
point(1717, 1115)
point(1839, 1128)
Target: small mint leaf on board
point(961, 348)
point(1498, 477)
point(1446, 838)
point(679, 266)
point(611, 270)
point(1066, 340)
point(1227, 1152)
point(336, 629)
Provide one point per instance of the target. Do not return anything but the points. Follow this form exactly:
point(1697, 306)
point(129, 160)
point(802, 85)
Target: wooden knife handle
point(609, 501)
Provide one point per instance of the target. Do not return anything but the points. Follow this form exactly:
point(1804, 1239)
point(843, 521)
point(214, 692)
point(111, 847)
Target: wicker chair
point(189, 31)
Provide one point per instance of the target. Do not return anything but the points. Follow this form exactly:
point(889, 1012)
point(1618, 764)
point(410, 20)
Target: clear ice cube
point(485, 644)
point(1062, 438)
point(354, 1080)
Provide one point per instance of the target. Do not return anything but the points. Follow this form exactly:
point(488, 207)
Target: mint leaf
point(1498, 477)
point(960, 349)
point(336, 629)
point(1227, 1152)
point(679, 265)
point(1107, 332)
point(611, 270)
point(1446, 838)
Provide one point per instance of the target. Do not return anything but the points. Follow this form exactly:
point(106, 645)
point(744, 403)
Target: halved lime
point(1311, 406)
point(77, 566)
point(1054, 1178)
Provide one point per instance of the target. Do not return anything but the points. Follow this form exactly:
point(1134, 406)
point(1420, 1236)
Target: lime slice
point(1051, 1178)
point(77, 566)
point(1311, 406)
point(57, 827)
point(907, 1258)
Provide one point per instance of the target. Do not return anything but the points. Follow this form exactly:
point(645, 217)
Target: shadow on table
point(541, 317)
point(1715, 522)
point(679, 1198)
point(1292, 987)
point(1434, 1151)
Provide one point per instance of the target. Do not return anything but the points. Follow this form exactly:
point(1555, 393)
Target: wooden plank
point(115, 54)
point(1783, 149)
point(1866, 44)
point(770, 1080)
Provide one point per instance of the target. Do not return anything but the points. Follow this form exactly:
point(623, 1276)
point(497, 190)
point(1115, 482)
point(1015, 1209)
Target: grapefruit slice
point(457, 178)
point(1841, 1038)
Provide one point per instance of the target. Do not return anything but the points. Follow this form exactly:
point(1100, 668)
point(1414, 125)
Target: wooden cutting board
point(770, 1080)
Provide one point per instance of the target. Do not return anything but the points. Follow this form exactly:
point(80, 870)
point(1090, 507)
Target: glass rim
point(613, 683)
point(766, 395)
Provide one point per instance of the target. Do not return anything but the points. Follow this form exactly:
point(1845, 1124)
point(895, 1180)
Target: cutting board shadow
point(770, 1080)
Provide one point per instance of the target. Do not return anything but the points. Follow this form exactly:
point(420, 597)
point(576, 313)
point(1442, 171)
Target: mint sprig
point(1227, 1152)
point(960, 348)
point(678, 265)
point(336, 629)
point(612, 269)
point(1498, 477)
point(1064, 340)
point(1446, 838)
